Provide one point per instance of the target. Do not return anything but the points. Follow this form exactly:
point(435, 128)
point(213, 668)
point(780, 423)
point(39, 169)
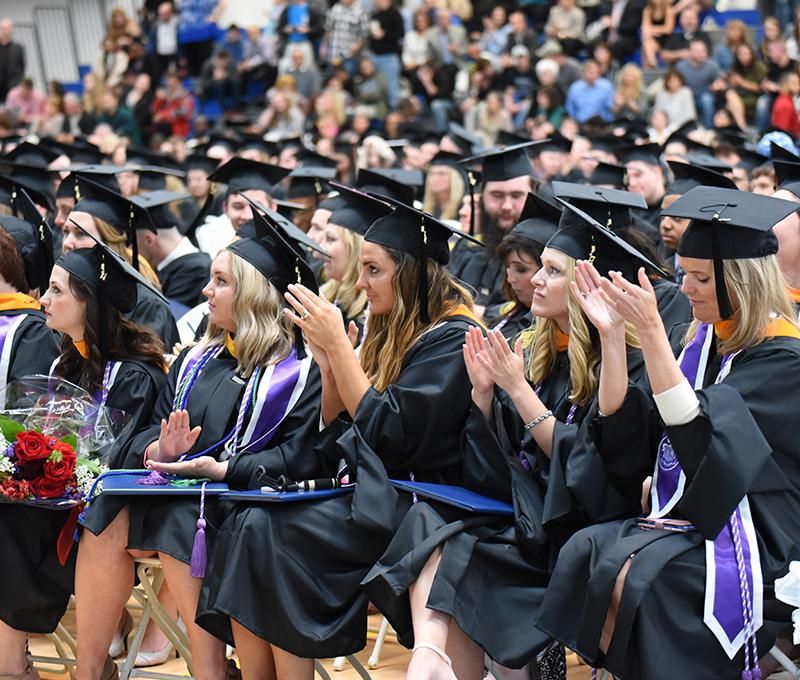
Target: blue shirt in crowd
point(586, 101)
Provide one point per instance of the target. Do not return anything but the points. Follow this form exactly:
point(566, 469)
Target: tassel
point(199, 553)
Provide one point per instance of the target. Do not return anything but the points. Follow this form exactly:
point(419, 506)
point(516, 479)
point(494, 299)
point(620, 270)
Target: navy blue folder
point(45, 503)
point(456, 496)
point(127, 485)
point(259, 496)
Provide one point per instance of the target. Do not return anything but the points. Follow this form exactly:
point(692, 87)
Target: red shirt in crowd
point(784, 115)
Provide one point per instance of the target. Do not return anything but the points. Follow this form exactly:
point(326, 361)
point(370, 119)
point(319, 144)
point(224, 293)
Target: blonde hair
point(344, 293)
point(117, 241)
point(582, 351)
point(634, 88)
point(453, 205)
point(264, 335)
point(757, 290)
point(390, 336)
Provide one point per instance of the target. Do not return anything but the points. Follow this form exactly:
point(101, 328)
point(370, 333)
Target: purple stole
point(733, 602)
point(9, 323)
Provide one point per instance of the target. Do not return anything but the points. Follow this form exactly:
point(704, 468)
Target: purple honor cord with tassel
point(199, 551)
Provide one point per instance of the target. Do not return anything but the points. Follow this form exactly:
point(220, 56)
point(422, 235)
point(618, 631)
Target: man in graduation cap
point(307, 187)
point(198, 169)
point(257, 181)
point(646, 178)
point(506, 182)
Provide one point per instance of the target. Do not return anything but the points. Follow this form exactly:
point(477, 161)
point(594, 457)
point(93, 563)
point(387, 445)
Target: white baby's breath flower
point(6, 465)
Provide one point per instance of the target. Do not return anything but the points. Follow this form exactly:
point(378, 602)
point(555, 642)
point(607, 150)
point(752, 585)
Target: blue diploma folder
point(259, 496)
point(456, 496)
point(127, 485)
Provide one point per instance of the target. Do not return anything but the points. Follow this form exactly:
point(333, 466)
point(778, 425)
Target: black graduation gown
point(493, 572)
point(153, 313)
point(35, 588)
point(510, 318)
point(743, 442)
point(291, 573)
point(648, 221)
point(183, 279)
point(35, 346)
point(168, 525)
point(674, 307)
point(479, 269)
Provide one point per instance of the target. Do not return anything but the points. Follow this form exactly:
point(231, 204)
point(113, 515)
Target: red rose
point(61, 469)
point(15, 489)
point(31, 446)
point(65, 449)
point(47, 487)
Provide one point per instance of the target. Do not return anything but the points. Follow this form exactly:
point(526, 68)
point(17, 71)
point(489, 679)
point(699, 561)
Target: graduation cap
point(80, 151)
point(309, 157)
point(499, 165)
point(463, 138)
point(448, 158)
point(332, 202)
point(732, 135)
point(750, 159)
point(201, 162)
point(34, 241)
point(777, 152)
point(35, 180)
point(607, 143)
point(419, 234)
point(358, 210)
point(385, 182)
point(609, 207)
point(106, 175)
point(538, 220)
point(153, 159)
point(610, 173)
point(510, 138)
point(585, 238)
point(258, 143)
point(157, 204)
point(556, 142)
point(688, 176)
point(309, 180)
point(707, 161)
point(728, 225)
point(286, 208)
point(241, 174)
point(112, 279)
point(227, 141)
point(646, 153)
point(31, 154)
point(787, 176)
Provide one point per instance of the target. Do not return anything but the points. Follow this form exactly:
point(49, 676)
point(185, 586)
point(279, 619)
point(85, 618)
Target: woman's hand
point(635, 304)
point(204, 466)
point(479, 376)
point(588, 292)
point(176, 436)
point(506, 366)
point(320, 320)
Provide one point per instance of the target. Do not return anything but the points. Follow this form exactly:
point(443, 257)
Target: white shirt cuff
point(678, 405)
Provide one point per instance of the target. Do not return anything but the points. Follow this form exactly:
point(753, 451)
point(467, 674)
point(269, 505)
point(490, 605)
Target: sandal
point(439, 653)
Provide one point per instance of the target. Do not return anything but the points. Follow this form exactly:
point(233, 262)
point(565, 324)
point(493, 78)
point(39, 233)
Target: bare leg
point(649, 52)
point(736, 108)
point(467, 656)
point(12, 650)
point(613, 607)
point(154, 639)
point(103, 582)
point(255, 654)
point(208, 653)
point(291, 667)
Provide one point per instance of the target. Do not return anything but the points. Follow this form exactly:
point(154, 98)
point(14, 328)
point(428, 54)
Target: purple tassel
point(199, 554)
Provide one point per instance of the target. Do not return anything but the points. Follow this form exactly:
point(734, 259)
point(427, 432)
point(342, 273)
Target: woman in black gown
point(688, 591)
point(397, 410)
point(244, 399)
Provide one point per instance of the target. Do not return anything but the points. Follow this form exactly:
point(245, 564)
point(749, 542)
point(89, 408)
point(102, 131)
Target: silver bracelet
point(538, 420)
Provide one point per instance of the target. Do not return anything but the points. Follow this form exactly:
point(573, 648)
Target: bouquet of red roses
point(37, 466)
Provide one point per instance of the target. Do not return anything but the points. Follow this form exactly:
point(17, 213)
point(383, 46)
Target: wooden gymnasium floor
point(392, 664)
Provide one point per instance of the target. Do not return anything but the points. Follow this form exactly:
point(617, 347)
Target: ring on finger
point(305, 314)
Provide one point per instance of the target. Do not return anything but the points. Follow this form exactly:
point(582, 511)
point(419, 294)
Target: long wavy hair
point(126, 340)
point(757, 291)
point(350, 299)
point(449, 210)
point(117, 242)
point(583, 350)
point(264, 335)
point(390, 336)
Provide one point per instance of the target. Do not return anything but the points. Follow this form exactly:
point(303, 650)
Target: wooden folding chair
point(375, 656)
point(66, 649)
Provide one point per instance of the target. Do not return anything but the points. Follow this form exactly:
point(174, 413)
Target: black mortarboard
point(378, 181)
point(28, 153)
point(777, 152)
point(556, 142)
point(290, 142)
point(610, 173)
point(334, 201)
point(105, 175)
point(201, 162)
point(309, 180)
point(146, 158)
point(419, 234)
point(286, 208)
point(538, 220)
point(448, 158)
point(157, 204)
point(787, 176)
point(510, 138)
point(463, 138)
point(688, 176)
point(499, 165)
point(80, 151)
point(585, 238)
point(607, 143)
point(227, 141)
point(732, 134)
point(647, 153)
point(292, 232)
point(310, 158)
point(34, 241)
point(750, 159)
point(358, 211)
point(610, 207)
point(241, 174)
point(260, 144)
point(728, 225)
point(35, 180)
point(707, 161)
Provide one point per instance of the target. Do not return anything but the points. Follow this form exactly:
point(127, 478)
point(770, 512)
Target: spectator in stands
point(51, 120)
point(12, 59)
point(658, 23)
point(436, 87)
point(233, 44)
point(659, 129)
point(569, 68)
point(139, 101)
point(735, 35)
point(792, 35)
point(386, 37)
point(122, 27)
point(300, 25)
point(703, 77)
point(111, 64)
point(591, 96)
point(609, 67)
point(141, 61)
point(448, 39)
point(676, 100)
point(282, 118)
point(622, 20)
point(417, 46)
point(784, 110)
point(305, 72)
point(519, 82)
point(550, 111)
point(219, 80)
point(196, 32)
point(521, 33)
point(76, 120)
point(371, 90)
point(488, 118)
point(773, 32)
point(25, 102)
point(744, 79)
point(118, 118)
point(164, 38)
point(778, 65)
point(260, 60)
point(346, 30)
point(495, 34)
point(630, 98)
point(567, 23)
point(676, 47)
